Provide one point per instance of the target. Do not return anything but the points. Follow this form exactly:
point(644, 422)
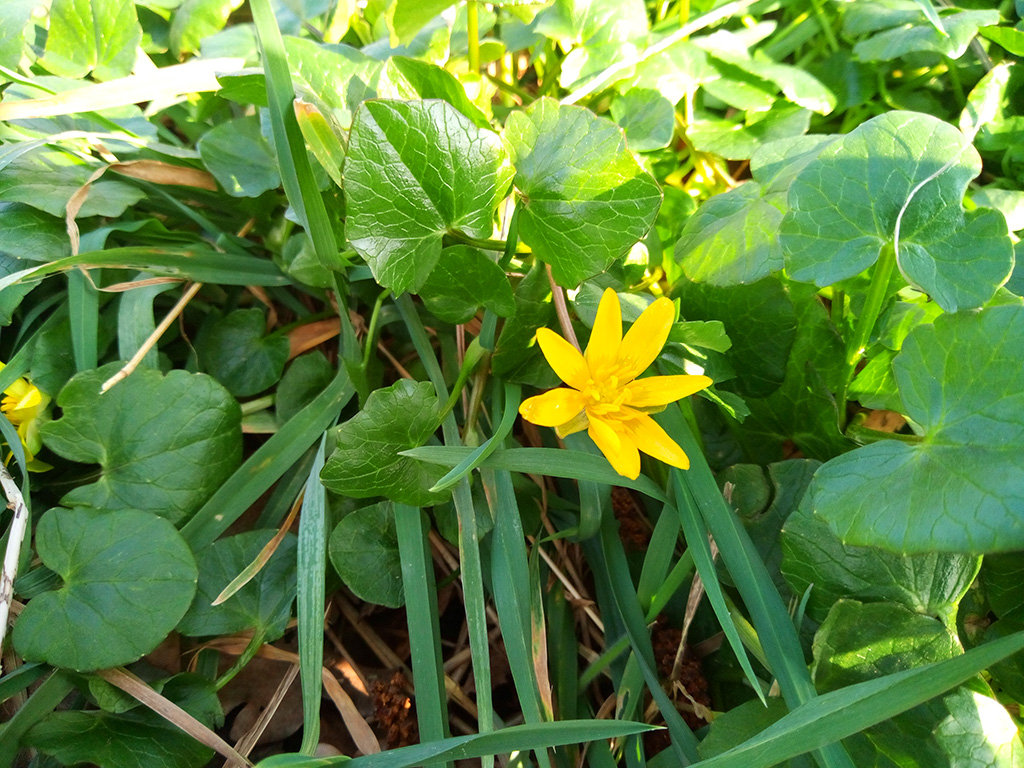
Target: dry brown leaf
point(165, 173)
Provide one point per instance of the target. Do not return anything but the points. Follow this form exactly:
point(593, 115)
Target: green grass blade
point(553, 462)
point(84, 309)
point(683, 741)
point(267, 464)
point(296, 171)
point(469, 537)
point(774, 626)
point(510, 579)
point(696, 533)
point(204, 265)
point(424, 627)
point(43, 700)
point(480, 454)
point(838, 714)
point(517, 738)
point(312, 560)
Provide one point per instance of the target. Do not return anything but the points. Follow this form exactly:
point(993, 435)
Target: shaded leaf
point(465, 279)
point(235, 351)
point(364, 552)
point(128, 577)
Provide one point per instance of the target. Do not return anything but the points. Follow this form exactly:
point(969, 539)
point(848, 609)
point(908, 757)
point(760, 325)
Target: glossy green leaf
point(408, 78)
point(46, 179)
point(1001, 576)
point(740, 140)
point(647, 117)
point(235, 351)
point(140, 739)
point(405, 18)
point(366, 462)
point(961, 489)
point(364, 552)
point(195, 20)
point(464, 280)
point(264, 603)
point(128, 577)
point(240, 158)
point(28, 233)
point(1010, 38)
point(584, 199)
point(414, 172)
point(963, 728)
point(335, 78)
point(900, 175)
point(930, 583)
point(164, 443)
point(918, 35)
point(14, 17)
point(97, 36)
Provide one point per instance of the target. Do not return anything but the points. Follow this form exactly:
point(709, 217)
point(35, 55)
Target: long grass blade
point(424, 627)
point(312, 559)
point(83, 306)
point(516, 738)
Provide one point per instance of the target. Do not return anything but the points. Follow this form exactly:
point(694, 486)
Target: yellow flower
point(25, 407)
point(606, 398)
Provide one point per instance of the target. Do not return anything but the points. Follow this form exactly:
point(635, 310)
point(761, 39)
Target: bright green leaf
point(46, 179)
point(405, 18)
point(195, 20)
point(334, 78)
point(364, 552)
point(14, 17)
point(407, 78)
point(920, 36)
point(900, 173)
point(1010, 38)
point(164, 443)
point(264, 603)
point(414, 172)
point(235, 351)
point(647, 117)
point(930, 583)
point(740, 140)
point(366, 461)
point(961, 489)
point(239, 156)
point(98, 36)
point(585, 201)
point(128, 577)
point(465, 279)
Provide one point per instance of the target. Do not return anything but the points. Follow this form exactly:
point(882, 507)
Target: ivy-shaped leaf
point(961, 489)
point(264, 603)
point(164, 443)
point(235, 351)
point(366, 462)
point(364, 551)
point(846, 204)
point(98, 36)
point(585, 200)
point(416, 171)
point(128, 577)
point(464, 280)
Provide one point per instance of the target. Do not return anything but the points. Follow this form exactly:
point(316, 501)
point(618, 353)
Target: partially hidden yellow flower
point(605, 396)
point(25, 405)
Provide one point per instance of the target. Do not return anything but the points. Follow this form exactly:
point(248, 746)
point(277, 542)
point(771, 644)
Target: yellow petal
point(654, 441)
point(606, 338)
point(565, 360)
point(662, 390)
point(645, 339)
point(616, 446)
point(553, 408)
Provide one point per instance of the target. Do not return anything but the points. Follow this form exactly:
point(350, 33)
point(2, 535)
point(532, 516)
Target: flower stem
point(877, 293)
point(558, 296)
point(473, 34)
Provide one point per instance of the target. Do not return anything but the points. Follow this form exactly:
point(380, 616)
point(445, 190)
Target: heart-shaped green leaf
point(128, 578)
point(263, 603)
point(98, 36)
point(464, 280)
point(900, 175)
point(961, 489)
point(414, 172)
point(236, 351)
point(364, 552)
point(366, 462)
point(164, 443)
point(585, 200)
point(239, 156)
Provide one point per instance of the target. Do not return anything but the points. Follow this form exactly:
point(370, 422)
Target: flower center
point(606, 396)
